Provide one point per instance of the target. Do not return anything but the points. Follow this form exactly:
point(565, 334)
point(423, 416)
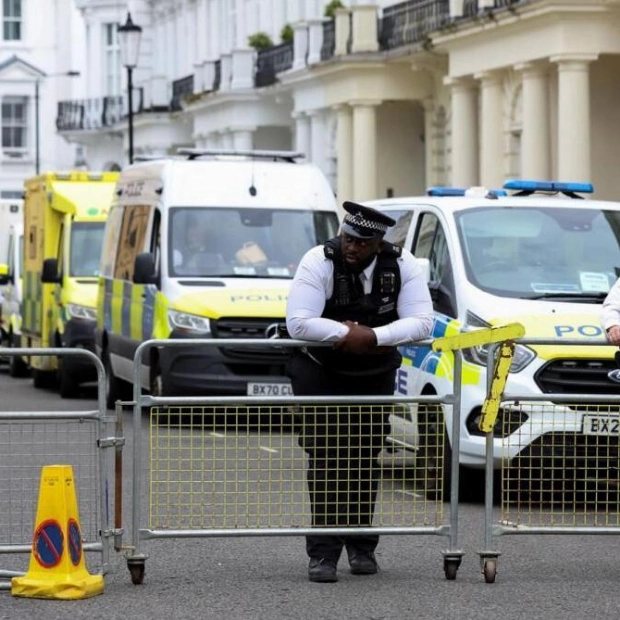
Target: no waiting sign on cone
point(57, 569)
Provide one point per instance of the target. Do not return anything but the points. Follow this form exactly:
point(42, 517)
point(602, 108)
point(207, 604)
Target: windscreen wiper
point(585, 297)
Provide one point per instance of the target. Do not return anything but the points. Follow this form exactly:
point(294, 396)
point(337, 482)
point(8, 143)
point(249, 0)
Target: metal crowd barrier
point(247, 477)
point(30, 440)
point(560, 473)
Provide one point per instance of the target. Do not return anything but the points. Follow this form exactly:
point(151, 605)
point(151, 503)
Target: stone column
point(464, 127)
point(491, 130)
point(535, 132)
point(574, 117)
point(342, 31)
point(317, 138)
point(300, 45)
point(315, 40)
point(344, 152)
point(365, 36)
point(428, 105)
point(302, 135)
point(365, 150)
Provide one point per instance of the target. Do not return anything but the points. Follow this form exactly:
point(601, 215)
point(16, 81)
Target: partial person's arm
point(415, 308)
point(306, 300)
point(610, 314)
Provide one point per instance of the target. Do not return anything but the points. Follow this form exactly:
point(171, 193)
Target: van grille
point(577, 376)
point(251, 329)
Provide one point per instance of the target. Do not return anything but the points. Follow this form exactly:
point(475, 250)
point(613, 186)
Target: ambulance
point(64, 219)
point(205, 245)
point(532, 252)
point(11, 269)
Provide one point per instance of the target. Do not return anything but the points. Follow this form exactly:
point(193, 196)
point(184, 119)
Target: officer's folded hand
point(359, 339)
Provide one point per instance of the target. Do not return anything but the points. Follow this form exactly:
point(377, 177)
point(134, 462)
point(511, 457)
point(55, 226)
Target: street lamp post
point(37, 121)
point(129, 40)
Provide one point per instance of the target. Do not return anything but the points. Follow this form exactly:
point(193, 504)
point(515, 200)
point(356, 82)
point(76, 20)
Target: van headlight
point(75, 311)
point(188, 322)
point(479, 355)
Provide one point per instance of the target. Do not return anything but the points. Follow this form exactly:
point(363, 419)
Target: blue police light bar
point(445, 191)
point(548, 186)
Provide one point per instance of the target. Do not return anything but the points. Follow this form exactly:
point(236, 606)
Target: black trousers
point(342, 442)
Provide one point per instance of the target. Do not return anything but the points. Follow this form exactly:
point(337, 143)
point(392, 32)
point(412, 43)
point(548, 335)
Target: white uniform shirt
point(313, 284)
point(610, 313)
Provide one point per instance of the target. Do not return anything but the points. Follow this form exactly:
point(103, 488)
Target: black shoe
point(322, 570)
point(363, 563)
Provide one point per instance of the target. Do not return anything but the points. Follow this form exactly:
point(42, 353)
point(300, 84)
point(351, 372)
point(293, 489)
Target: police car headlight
point(479, 355)
point(75, 311)
point(188, 322)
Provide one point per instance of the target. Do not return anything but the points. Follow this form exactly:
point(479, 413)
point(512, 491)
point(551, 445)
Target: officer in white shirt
point(610, 314)
point(365, 296)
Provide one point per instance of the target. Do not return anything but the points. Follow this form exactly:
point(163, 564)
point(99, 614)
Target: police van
point(204, 245)
point(533, 253)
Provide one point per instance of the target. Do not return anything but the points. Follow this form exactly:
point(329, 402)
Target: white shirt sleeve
point(310, 288)
point(610, 312)
point(414, 307)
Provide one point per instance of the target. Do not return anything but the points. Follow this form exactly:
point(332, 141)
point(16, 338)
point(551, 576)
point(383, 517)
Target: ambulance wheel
point(68, 387)
point(42, 379)
point(17, 366)
point(136, 570)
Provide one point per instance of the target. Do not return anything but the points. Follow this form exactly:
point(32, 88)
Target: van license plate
point(608, 425)
point(270, 389)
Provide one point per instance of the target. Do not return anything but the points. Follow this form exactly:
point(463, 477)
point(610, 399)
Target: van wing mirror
point(144, 269)
point(49, 274)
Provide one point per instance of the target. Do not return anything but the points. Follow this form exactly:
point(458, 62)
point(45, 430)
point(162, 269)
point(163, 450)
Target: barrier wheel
point(490, 570)
point(136, 569)
point(450, 568)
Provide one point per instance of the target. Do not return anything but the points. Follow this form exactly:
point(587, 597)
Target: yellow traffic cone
point(57, 568)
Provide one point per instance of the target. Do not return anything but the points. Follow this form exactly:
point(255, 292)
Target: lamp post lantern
point(129, 35)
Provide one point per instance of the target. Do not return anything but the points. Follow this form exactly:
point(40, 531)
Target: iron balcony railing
point(181, 89)
point(271, 61)
point(410, 22)
point(329, 40)
point(217, 79)
point(85, 114)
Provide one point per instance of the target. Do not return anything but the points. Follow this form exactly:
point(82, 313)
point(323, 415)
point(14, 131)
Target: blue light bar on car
point(522, 185)
point(445, 191)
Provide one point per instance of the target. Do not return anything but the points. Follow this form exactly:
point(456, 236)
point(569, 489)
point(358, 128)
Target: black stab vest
point(349, 303)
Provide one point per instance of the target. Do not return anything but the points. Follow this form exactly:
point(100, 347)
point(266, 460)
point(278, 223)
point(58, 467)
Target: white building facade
point(387, 98)
point(36, 70)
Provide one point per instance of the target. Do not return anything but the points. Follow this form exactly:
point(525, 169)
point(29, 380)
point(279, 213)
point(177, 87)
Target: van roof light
point(526, 187)
point(445, 191)
point(289, 156)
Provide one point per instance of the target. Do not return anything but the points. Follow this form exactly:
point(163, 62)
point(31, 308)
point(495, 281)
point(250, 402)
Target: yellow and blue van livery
point(539, 257)
point(64, 219)
point(205, 246)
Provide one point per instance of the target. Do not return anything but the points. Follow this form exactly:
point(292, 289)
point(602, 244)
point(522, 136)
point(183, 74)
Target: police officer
point(366, 296)
point(610, 314)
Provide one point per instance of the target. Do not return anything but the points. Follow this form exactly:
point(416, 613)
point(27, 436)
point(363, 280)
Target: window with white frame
point(112, 60)
point(14, 125)
point(12, 20)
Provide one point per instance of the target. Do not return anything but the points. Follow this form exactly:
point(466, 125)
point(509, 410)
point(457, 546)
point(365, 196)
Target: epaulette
point(330, 248)
point(391, 249)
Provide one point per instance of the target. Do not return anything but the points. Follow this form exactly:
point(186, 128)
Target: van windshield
point(244, 242)
point(538, 253)
point(86, 240)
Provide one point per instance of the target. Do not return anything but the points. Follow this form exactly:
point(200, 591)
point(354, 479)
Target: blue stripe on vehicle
point(147, 311)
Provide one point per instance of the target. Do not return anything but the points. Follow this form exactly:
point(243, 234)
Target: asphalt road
point(551, 576)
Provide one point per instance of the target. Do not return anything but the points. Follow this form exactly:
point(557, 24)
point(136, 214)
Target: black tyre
point(115, 388)
point(43, 379)
point(68, 386)
point(17, 366)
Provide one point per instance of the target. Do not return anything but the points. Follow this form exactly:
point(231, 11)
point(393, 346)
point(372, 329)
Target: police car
point(534, 253)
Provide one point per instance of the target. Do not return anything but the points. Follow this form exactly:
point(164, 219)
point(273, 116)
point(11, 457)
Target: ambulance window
point(156, 240)
point(110, 241)
point(133, 234)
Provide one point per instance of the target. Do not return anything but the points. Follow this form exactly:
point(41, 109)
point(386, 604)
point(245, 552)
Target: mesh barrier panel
point(566, 479)
point(267, 467)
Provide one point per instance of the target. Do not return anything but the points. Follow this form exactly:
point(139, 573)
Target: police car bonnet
point(364, 222)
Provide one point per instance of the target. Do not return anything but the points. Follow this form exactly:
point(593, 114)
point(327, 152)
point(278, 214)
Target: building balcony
point(94, 114)
point(181, 90)
point(270, 62)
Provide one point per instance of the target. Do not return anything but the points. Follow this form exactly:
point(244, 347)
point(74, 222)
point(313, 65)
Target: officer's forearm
point(315, 328)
